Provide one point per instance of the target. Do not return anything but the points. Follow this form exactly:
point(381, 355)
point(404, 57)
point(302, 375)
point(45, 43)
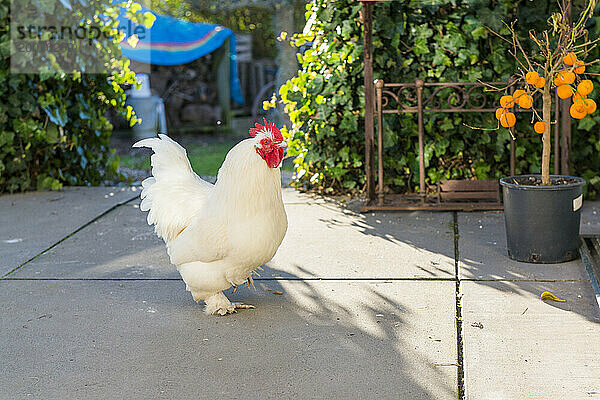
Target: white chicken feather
point(217, 235)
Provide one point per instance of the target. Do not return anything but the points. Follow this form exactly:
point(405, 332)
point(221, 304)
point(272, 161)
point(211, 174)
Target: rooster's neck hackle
point(245, 182)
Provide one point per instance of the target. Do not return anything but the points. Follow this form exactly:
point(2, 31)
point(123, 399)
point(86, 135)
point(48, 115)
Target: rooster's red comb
point(269, 128)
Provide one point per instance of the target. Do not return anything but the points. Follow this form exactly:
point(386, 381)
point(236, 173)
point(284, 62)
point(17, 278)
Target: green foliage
point(446, 41)
point(53, 128)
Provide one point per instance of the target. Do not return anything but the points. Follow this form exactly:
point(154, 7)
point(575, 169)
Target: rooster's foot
point(232, 308)
point(218, 304)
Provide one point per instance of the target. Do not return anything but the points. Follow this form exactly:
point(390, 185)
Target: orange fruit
point(508, 119)
point(558, 81)
point(564, 91)
point(540, 83)
point(570, 59)
point(518, 95)
point(539, 127)
point(579, 67)
point(526, 101)
point(578, 110)
point(590, 106)
point(568, 76)
point(585, 87)
point(507, 101)
point(564, 77)
point(531, 77)
point(499, 113)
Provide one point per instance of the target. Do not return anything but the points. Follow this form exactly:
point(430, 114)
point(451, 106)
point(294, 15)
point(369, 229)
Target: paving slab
point(31, 222)
point(323, 241)
point(330, 241)
point(590, 218)
point(120, 245)
point(147, 339)
point(483, 254)
point(519, 347)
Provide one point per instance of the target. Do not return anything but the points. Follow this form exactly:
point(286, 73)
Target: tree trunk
point(546, 145)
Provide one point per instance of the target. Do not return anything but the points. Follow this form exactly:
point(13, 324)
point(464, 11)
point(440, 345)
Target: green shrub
point(53, 129)
point(444, 42)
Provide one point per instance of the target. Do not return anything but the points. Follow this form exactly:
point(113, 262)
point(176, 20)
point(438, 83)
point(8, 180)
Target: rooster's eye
point(264, 142)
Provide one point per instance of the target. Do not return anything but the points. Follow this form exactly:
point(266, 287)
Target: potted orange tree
point(542, 212)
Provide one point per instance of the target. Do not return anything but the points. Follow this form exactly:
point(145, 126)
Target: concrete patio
point(387, 305)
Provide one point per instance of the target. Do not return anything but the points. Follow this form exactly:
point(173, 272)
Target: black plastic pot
point(542, 222)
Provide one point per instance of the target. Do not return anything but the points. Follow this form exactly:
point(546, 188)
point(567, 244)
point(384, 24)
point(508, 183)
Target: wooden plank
point(243, 47)
point(470, 186)
point(407, 202)
point(467, 207)
point(445, 196)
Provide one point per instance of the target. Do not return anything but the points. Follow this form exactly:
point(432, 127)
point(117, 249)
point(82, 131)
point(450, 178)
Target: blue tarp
point(172, 41)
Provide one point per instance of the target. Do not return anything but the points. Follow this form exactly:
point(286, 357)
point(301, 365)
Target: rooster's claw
point(243, 306)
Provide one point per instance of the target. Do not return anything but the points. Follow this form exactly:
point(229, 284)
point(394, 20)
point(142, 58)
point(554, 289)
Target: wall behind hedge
point(445, 42)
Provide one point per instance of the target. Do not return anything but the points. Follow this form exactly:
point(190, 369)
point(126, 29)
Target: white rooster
point(218, 235)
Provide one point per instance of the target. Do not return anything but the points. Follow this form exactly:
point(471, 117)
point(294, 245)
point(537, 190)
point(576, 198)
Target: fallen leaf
point(277, 292)
point(550, 296)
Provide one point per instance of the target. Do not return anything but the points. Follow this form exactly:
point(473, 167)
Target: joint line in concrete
point(459, 336)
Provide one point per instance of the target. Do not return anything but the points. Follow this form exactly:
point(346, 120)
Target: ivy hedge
point(443, 42)
point(53, 125)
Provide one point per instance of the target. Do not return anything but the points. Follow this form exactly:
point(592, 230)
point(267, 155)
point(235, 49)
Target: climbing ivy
point(53, 125)
point(442, 41)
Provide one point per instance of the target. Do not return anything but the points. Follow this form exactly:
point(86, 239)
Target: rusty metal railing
point(447, 97)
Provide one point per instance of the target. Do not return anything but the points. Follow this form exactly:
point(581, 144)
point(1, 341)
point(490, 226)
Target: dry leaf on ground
point(550, 296)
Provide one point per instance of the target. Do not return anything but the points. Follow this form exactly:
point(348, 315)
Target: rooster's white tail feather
point(174, 194)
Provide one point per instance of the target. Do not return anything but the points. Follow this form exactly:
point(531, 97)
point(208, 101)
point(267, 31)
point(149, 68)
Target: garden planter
point(542, 222)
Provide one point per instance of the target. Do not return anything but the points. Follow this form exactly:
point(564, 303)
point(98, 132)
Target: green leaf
point(420, 47)
point(586, 124)
point(315, 86)
point(134, 8)
point(390, 137)
point(148, 19)
point(479, 32)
